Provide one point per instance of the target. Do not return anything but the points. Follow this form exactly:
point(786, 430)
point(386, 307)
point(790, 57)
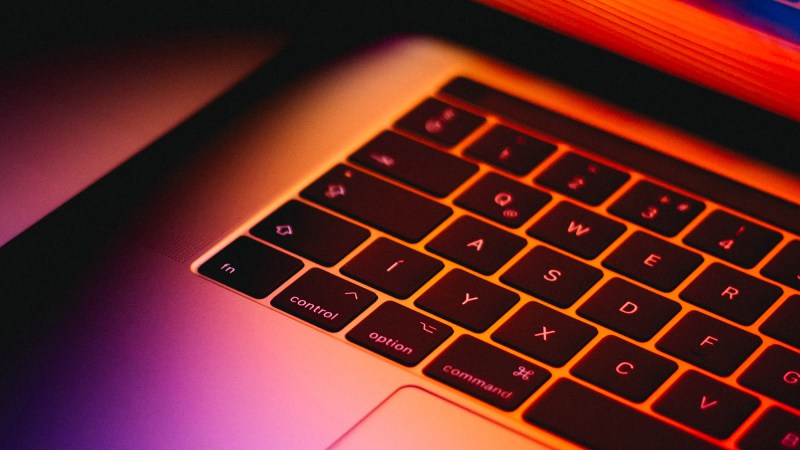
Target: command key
point(486, 372)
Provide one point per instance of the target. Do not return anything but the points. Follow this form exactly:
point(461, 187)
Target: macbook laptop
point(446, 228)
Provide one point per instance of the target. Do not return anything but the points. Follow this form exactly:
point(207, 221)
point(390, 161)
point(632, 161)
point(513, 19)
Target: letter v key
point(705, 404)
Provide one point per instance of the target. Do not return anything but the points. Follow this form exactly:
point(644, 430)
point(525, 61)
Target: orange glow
point(434, 64)
point(683, 40)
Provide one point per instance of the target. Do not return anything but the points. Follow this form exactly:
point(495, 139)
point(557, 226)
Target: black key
point(486, 372)
point(775, 429)
point(309, 232)
point(653, 261)
point(772, 209)
point(383, 205)
point(624, 369)
point(324, 300)
point(705, 404)
point(467, 300)
point(476, 245)
point(544, 334)
point(250, 267)
point(733, 239)
point(576, 230)
point(783, 323)
point(731, 294)
point(503, 200)
point(775, 373)
point(392, 268)
point(510, 150)
point(629, 309)
point(708, 343)
point(785, 266)
point(582, 179)
point(439, 122)
point(552, 276)
point(400, 334)
point(414, 163)
point(595, 421)
point(657, 208)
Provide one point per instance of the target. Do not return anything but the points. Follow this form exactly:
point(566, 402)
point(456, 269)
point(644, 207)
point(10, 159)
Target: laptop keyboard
point(544, 278)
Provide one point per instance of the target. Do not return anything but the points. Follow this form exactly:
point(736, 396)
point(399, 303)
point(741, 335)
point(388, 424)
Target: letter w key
point(577, 230)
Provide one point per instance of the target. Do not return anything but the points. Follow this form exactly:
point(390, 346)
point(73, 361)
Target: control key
point(323, 299)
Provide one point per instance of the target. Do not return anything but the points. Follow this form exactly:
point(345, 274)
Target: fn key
point(250, 267)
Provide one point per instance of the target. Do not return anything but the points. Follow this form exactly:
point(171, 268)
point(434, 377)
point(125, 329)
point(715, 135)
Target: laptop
point(429, 231)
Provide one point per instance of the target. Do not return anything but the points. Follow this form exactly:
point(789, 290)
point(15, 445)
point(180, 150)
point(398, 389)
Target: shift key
point(486, 372)
point(379, 203)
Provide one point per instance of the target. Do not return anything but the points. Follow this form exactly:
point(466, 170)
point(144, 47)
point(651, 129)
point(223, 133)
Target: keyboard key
point(510, 150)
point(439, 122)
point(545, 334)
point(733, 239)
point(657, 208)
point(628, 309)
point(375, 202)
point(392, 268)
point(467, 300)
point(426, 168)
point(624, 369)
point(486, 372)
point(785, 266)
point(311, 233)
point(653, 261)
point(400, 334)
point(582, 179)
point(476, 245)
point(250, 267)
point(783, 323)
point(503, 200)
point(576, 230)
point(324, 300)
point(731, 294)
point(572, 411)
point(708, 343)
point(775, 373)
point(776, 428)
point(705, 404)
point(552, 276)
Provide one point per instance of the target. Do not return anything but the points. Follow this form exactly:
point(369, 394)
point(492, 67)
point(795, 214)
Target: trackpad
point(415, 418)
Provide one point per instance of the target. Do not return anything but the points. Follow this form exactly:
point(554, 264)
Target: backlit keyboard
point(550, 270)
